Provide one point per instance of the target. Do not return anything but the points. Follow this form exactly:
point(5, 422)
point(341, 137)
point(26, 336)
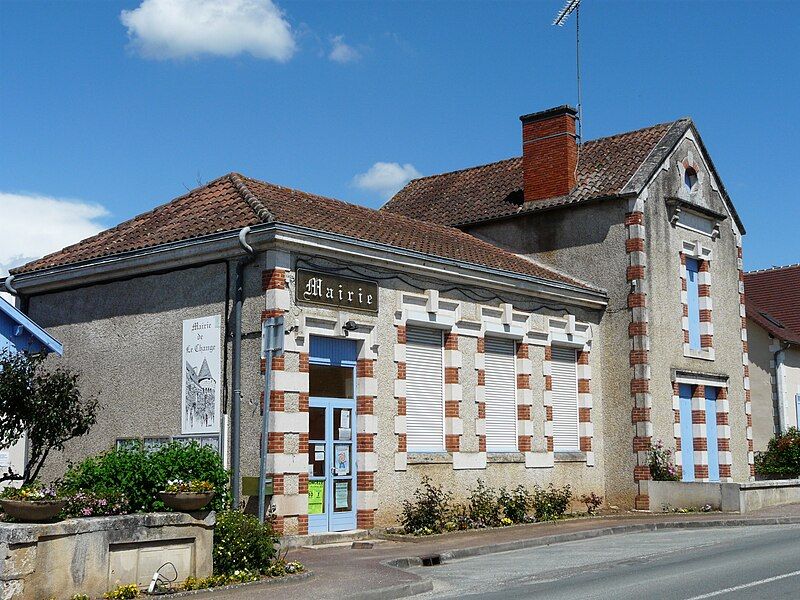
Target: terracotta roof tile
point(772, 297)
point(493, 191)
point(232, 202)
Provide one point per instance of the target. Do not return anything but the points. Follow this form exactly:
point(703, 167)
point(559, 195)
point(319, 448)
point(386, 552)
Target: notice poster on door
point(316, 497)
point(201, 375)
point(342, 455)
point(341, 495)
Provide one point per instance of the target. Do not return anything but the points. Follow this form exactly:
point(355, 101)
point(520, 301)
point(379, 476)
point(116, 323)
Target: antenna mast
point(561, 18)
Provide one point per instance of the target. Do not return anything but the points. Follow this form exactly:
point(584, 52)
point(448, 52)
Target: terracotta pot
point(32, 511)
point(186, 501)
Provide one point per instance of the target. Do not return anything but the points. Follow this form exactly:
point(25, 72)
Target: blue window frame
point(693, 301)
point(711, 433)
point(687, 435)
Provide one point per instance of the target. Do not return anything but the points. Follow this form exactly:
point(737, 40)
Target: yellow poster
point(316, 497)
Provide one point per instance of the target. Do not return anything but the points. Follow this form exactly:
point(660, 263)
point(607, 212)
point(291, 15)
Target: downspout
point(778, 358)
point(236, 375)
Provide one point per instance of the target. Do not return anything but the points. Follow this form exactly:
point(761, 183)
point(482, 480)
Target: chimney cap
point(557, 111)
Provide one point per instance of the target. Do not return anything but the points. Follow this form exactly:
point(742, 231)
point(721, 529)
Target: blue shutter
point(693, 299)
point(687, 437)
point(711, 433)
point(333, 351)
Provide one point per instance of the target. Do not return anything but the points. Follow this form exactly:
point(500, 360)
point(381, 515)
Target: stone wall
point(93, 555)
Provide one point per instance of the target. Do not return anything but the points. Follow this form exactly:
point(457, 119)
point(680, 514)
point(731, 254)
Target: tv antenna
point(561, 18)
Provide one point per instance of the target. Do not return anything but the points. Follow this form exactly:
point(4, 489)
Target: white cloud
point(34, 225)
point(342, 52)
point(164, 29)
point(386, 178)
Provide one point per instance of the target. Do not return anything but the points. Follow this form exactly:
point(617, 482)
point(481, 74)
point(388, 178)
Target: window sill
point(707, 354)
point(505, 457)
point(569, 457)
point(429, 458)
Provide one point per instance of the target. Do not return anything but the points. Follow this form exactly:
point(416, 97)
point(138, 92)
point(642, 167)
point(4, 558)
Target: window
point(690, 178)
point(693, 302)
point(501, 395)
point(564, 374)
point(424, 390)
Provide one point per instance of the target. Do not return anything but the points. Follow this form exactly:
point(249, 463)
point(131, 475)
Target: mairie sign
point(335, 291)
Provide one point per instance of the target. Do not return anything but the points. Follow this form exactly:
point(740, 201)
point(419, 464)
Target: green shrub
point(94, 504)
point(429, 510)
point(781, 460)
point(516, 504)
point(138, 474)
point(660, 461)
point(483, 509)
point(241, 543)
point(550, 503)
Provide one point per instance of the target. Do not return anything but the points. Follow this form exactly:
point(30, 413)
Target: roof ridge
point(639, 130)
point(262, 212)
point(770, 269)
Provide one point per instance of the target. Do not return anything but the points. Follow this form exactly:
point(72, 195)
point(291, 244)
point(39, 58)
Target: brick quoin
point(366, 481)
point(584, 415)
point(481, 443)
point(304, 364)
point(303, 444)
point(638, 357)
point(636, 300)
point(275, 442)
point(481, 410)
point(401, 407)
point(302, 399)
point(481, 345)
point(278, 363)
point(634, 272)
point(302, 524)
point(277, 522)
point(583, 358)
point(640, 415)
point(634, 245)
point(401, 370)
point(365, 442)
point(723, 445)
point(706, 341)
point(524, 443)
point(698, 417)
point(365, 405)
point(641, 443)
point(722, 418)
point(641, 472)
point(641, 502)
point(523, 412)
point(365, 519)
point(364, 367)
point(586, 444)
point(401, 334)
point(522, 351)
point(548, 383)
point(637, 328)
point(548, 353)
point(550, 445)
point(583, 386)
point(523, 381)
point(452, 442)
point(634, 218)
point(266, 314)
point(451, 341)
point(451, 374)
point(274, 279)
point(700, 444)
point(451, 408)
point(302, 486)
point(402, 445)
point(725, 471)
point(481, 377)
point(705, 315)
point(548, 413)
point(277, 400)
point(701, 471)
point(277, 484)
point(640, 386)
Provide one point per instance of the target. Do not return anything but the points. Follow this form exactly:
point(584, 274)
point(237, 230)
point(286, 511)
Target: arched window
point(690, 178)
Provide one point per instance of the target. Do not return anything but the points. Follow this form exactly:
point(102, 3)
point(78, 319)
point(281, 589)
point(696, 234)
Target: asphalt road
point(691, 564)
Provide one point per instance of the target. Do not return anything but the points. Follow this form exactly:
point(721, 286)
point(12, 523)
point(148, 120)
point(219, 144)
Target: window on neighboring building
point(501, 395)
point(564, 373)
point(424, 390)
point(693, 302)
point(690, 178)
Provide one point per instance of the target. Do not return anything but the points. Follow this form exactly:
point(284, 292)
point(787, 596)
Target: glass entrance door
point(331, 439)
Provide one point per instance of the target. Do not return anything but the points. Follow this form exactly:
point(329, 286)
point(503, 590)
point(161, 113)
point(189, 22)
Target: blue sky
point(105, 117)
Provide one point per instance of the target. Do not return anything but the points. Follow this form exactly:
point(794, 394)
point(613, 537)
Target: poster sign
point(316, 497)
point(341, 495)
point(337, 292)
point(342, 459)
point(202, 361)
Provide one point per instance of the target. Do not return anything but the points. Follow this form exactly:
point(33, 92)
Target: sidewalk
point(342, 572)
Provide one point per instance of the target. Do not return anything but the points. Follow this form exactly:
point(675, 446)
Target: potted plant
point(187, 496)
point(31, 503)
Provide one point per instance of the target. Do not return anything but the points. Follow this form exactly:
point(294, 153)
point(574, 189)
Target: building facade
point(773, 333)
point(539, 320)
point(645, 216)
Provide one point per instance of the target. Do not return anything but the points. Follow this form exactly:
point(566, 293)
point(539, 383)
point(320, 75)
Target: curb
point(433, 559)
point(396, 591)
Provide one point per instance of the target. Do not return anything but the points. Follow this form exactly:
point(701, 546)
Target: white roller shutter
point(565, 400)
point(424, 390)
point(501, 395)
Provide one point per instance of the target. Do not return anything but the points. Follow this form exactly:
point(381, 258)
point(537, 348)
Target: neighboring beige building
point(550, 339)
point(773, 335)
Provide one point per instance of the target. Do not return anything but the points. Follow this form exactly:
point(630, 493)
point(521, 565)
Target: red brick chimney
point(549, 152)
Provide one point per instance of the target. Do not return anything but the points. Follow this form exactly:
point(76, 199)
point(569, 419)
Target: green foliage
point(139, 474)
point(550, 503)
point(95, 504)
point(203, 583)
point(79, 597)
point(516, 504)
point(781, 460)
point(483, 508)
point(241, 543)
point(44, 404)
point(32, 492)
point(592, 502)
point(123, 592)
point(428, 511)
point(660, 461)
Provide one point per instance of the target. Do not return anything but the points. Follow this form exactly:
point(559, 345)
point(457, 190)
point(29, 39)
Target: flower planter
point(186, 501)
point(32, 511)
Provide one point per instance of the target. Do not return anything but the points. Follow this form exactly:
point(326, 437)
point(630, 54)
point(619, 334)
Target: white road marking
point(745, 585)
